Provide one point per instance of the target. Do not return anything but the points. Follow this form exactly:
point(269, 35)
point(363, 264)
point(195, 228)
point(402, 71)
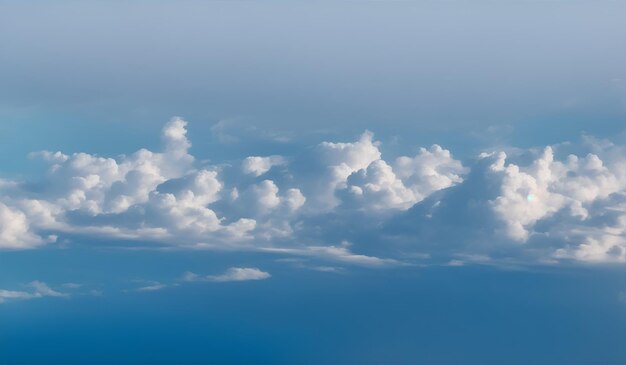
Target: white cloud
point(429, 171)
point(39, 290)
point(15, 230)
point(580, 189)
point(571, 208)
point(379, 186)
point(10, 294)
point(294, 199)
point(152, 286)
point(543, 207)
point(257, 166)
point(332, 164)
point(339, 253)
point(106, 194)
point(265, 197)
point(232, 274)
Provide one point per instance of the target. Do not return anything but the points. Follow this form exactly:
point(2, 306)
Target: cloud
point(257, 166)
point(152, 286)
point(561, 203)
point(333, 163)
point(15, 230)
point(232, 274)
point(147, 195)
point(39, 290)
point(381, 186)
point(339, 253)
point(546, 209)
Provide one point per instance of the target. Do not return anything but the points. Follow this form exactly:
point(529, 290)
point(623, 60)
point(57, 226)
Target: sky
point(341, 182)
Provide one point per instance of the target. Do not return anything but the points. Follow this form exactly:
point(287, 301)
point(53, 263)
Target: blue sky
point(312, 182)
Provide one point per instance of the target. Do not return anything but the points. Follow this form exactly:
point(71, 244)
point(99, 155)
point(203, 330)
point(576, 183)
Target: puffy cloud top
point(258, 166)
point(535, 207)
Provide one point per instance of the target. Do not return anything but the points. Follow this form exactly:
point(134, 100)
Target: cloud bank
point(561, 203)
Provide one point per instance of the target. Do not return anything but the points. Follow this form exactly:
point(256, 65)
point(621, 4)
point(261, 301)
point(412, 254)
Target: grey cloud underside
point(340, 201)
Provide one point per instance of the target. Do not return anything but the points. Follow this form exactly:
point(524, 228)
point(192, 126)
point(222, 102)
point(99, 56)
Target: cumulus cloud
point(381, 186)
point(16, 231)
point(546, 209)
point(38, 290)
point(560, 203)
point(232, 274)
point(266, 198)
point(257, 166)
point(149, 195)
point(330, 166)
point(580, 199)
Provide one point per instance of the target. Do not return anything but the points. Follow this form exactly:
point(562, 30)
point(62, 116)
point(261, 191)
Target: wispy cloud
point(149, 286)
point(339, 253)
point(231, 274)
point(39, 289)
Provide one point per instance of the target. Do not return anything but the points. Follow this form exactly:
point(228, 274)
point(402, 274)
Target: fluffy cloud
point(257, 166)
point(379, 186)
point(100, 185)
point(332, 164)
point(15, 230)
point(539, 206)
point(544, 210)
point(265, 198)
point(149, 195)
point(579, 198)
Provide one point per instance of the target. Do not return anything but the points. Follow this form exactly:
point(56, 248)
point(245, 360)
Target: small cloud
point(154, 287)
point(96, 293)
point(257, 165)
point(455, 263)
point(189, 276)
point(328, 269)
point(232, 274)
point(150, 286)
point(43, 290)
point(339, 253)
point(39, 290)
point(72, 285)
point(465, 259)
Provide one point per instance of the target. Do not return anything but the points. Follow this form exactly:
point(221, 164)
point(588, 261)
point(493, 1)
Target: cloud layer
point(560, 203)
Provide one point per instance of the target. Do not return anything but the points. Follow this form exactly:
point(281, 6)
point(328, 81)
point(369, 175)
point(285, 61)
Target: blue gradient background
point(102, 77)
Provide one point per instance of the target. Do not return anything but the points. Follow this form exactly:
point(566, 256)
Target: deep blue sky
point(440, 315)
point(263, 224)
